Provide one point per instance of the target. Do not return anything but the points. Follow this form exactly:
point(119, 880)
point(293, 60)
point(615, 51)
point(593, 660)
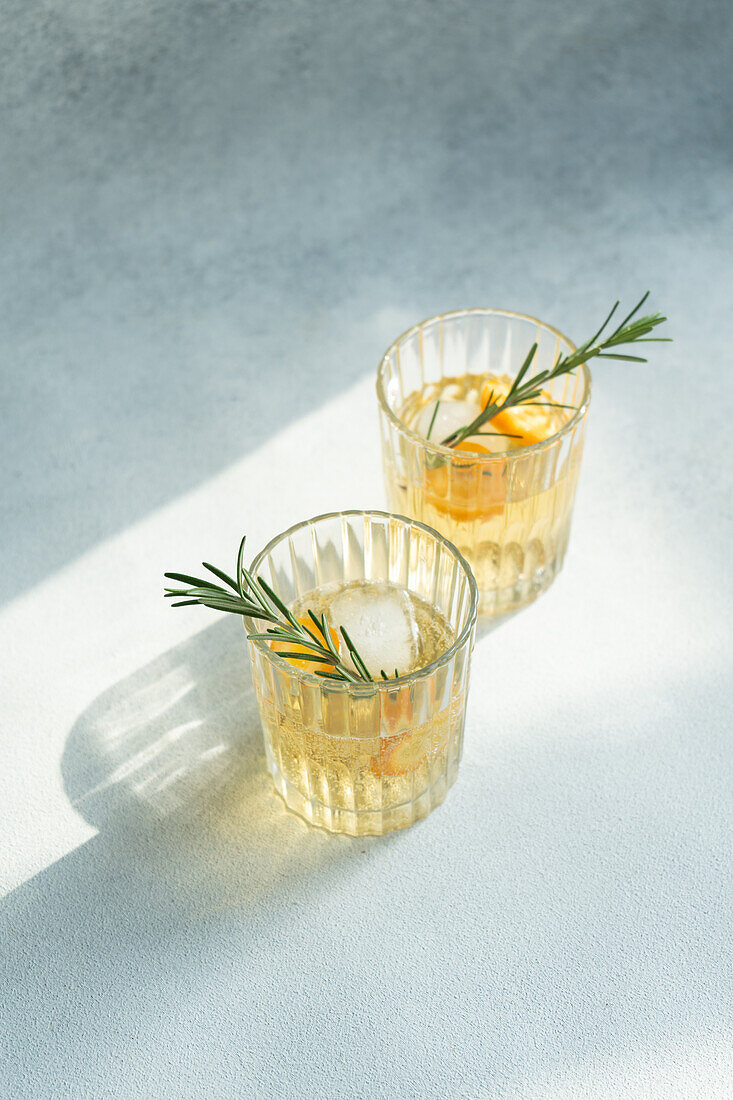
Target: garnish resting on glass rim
point(526, 393)
point(253, 598)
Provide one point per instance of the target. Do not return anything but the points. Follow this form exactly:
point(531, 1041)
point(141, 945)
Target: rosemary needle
point(432, 418)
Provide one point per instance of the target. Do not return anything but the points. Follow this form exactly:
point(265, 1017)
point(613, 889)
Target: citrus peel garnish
point(532, 423)
point(292, 647)
point(466, 489)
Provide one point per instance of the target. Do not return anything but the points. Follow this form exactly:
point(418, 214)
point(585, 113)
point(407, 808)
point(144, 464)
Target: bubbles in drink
point(372, 761)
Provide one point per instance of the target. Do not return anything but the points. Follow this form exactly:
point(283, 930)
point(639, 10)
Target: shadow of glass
point(180, 742)
point(487, 624)
point(169, 765)
point(569, 889)
point(194, 847)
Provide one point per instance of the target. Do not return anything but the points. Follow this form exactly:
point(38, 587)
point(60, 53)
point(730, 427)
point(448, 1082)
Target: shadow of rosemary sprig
point(524, 393)
point(253, 598)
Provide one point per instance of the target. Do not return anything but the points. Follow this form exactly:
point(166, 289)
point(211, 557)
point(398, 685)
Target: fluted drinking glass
point(363, 758)
point(509, 514)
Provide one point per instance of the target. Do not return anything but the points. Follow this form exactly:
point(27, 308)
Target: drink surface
point(378, 758)
point(459, 401)
point(391, 627)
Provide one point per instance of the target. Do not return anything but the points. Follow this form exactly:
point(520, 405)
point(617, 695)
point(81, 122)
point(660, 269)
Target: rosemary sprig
point(254, 599)
point(524, 393)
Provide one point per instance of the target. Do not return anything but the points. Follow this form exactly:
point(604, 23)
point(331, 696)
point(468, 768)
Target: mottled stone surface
point(215, 216)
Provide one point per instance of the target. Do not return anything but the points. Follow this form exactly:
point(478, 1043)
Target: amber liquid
point(371, 762)
point(509, 516)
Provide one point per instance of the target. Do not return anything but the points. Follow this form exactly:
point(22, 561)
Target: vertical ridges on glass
point(515, 544)
point(331, 747)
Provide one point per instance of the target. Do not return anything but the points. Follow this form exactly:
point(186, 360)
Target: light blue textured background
point(215, 217)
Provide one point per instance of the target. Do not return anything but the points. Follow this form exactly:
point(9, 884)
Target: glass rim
point(368, 687)
point(476, 456)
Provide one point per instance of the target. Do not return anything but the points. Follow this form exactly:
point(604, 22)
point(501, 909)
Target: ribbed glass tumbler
point(362, 758)
point(509, 513)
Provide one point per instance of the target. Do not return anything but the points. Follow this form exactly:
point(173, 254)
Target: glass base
point(501, 601)
point(364, 822)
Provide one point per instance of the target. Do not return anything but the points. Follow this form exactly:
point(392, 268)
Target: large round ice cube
point(451, 416)
point(380, 621)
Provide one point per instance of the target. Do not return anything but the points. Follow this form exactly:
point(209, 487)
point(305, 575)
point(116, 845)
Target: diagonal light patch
point(99, 619)
point(694, 1068)
point(607, 624)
